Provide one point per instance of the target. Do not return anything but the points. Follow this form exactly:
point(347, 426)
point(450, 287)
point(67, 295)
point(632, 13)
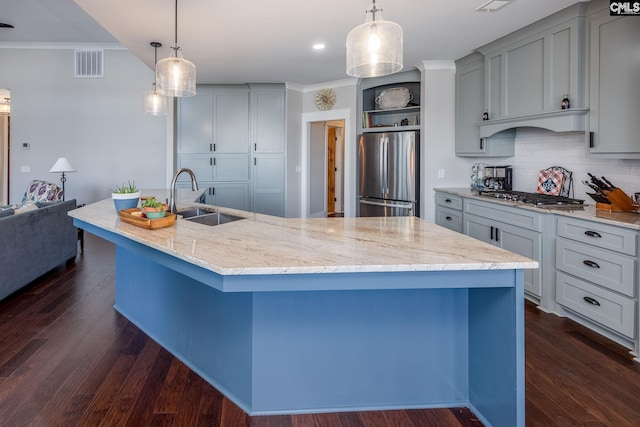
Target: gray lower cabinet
point(449, 211)
point(613, 88)
point(597, 276)
point(234, 195)
point(523, 241)
point(268, 184)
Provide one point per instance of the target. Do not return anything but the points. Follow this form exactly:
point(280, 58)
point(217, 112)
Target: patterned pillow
point(42, 191)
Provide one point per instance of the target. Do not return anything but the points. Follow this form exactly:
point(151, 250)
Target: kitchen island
point(323, 315)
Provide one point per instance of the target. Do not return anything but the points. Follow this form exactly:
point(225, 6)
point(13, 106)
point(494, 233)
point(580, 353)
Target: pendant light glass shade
point(152, 102)
point(176, 76)
point(155, 104)
point(374, 48)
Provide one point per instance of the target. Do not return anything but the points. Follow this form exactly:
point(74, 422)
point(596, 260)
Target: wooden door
point(331, 170)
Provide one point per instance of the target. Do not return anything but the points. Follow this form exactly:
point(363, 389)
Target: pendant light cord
point(372, 10)
point(176, 31)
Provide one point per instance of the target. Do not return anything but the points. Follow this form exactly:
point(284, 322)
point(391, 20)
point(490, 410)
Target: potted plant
point(153, 208)
point(125, 196)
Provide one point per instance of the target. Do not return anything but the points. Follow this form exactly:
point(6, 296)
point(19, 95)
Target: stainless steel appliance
point(498, 178)
point(388, 174)
point(536, 199)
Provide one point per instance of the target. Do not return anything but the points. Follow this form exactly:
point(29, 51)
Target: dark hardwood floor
point(67, 358)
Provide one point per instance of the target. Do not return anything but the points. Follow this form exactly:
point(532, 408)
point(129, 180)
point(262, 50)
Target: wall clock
point(325, 99)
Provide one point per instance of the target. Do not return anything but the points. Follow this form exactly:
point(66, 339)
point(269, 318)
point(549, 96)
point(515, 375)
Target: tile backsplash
point(538, 149)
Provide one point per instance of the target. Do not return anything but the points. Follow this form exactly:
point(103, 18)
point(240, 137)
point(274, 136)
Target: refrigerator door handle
point(381, 167)
point(386, 164)
point(388, 205)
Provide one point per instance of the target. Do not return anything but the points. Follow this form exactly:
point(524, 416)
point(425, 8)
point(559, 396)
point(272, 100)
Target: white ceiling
point(266, 41)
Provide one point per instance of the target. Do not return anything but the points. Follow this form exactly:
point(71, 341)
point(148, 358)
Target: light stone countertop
point(588, 212)
point(262, 244)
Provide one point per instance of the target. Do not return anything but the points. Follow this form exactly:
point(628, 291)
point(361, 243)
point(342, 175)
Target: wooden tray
point(127, 215)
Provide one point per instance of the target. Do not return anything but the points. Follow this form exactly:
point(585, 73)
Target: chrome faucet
point(172, 191)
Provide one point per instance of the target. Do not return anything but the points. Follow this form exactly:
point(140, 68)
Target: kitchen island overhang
point(290, 342)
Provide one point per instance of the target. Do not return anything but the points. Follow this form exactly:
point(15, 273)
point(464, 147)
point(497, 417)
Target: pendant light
point(153, 103)
point(5, 107)
point(374, 48)
point(175, 76)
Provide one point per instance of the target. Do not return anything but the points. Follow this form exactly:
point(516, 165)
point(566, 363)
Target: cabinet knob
point(592, 233)
point(448, 201)
point(591, 301)
point(590, 263)
point(449, 218)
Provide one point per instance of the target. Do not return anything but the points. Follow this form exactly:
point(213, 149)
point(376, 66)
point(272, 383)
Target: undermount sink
point(189, 213)
point(208, 217)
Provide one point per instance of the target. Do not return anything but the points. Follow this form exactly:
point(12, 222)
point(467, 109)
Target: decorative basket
point(397, 97)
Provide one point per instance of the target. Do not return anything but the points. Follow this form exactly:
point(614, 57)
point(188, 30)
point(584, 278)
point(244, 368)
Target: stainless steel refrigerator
point(388, 174)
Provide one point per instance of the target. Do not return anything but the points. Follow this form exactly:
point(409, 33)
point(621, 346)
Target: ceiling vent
point(89, 62)
point(493, 5)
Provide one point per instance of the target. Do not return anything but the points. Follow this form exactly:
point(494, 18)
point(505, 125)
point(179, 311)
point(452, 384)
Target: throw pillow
point(26, 208)
point(42, 191)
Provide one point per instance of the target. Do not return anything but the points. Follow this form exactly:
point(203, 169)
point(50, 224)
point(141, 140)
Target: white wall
point(97, 124)
point(438, 135)
point(538, 149)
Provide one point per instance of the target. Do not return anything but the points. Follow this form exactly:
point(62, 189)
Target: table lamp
point(62, 165)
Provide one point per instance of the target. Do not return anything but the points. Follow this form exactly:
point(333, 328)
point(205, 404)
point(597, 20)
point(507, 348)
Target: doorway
point(5, 134)
point(326, 168)
point(335, 168)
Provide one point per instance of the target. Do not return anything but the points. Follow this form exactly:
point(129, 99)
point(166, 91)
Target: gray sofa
point(34, 242)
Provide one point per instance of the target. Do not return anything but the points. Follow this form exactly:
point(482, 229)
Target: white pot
point(125, 200)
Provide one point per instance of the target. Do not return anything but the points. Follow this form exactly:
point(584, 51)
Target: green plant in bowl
point(154, 208)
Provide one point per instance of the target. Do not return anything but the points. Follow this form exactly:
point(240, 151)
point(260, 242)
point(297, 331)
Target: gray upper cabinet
point(528, 73)
point(614, 85)
point(231, 121)
point(267, 118)
point(215, 120)
point(469, 109)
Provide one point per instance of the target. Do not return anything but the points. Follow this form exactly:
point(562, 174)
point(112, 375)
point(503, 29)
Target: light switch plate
point(25, 169)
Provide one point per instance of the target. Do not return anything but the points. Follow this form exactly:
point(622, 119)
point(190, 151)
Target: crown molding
point(61, 46)
point(334, 84)
point(436, 65)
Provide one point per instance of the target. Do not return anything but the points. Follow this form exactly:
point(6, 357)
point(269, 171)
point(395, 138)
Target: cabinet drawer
point(505, 214)
point(606, 308)
point(449, 201)
point(602, 235)
point(450, 218)
point(604, 268)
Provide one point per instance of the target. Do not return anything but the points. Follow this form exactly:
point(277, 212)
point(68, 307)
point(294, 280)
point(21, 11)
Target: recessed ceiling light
point(318, 46)
point(493, 5)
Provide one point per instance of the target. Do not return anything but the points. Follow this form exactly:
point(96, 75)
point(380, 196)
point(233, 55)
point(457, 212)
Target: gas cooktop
point(536, 199)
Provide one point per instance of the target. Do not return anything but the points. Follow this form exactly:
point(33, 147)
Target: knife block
point(619, 201)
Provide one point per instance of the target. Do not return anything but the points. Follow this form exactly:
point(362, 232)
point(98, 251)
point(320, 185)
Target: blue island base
point(432, 339)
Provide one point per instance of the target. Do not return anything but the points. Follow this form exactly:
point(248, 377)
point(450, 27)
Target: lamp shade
point(374, 49)
point(62, 165)
point(155, 104)
point(5, 107)
point(176, 77)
